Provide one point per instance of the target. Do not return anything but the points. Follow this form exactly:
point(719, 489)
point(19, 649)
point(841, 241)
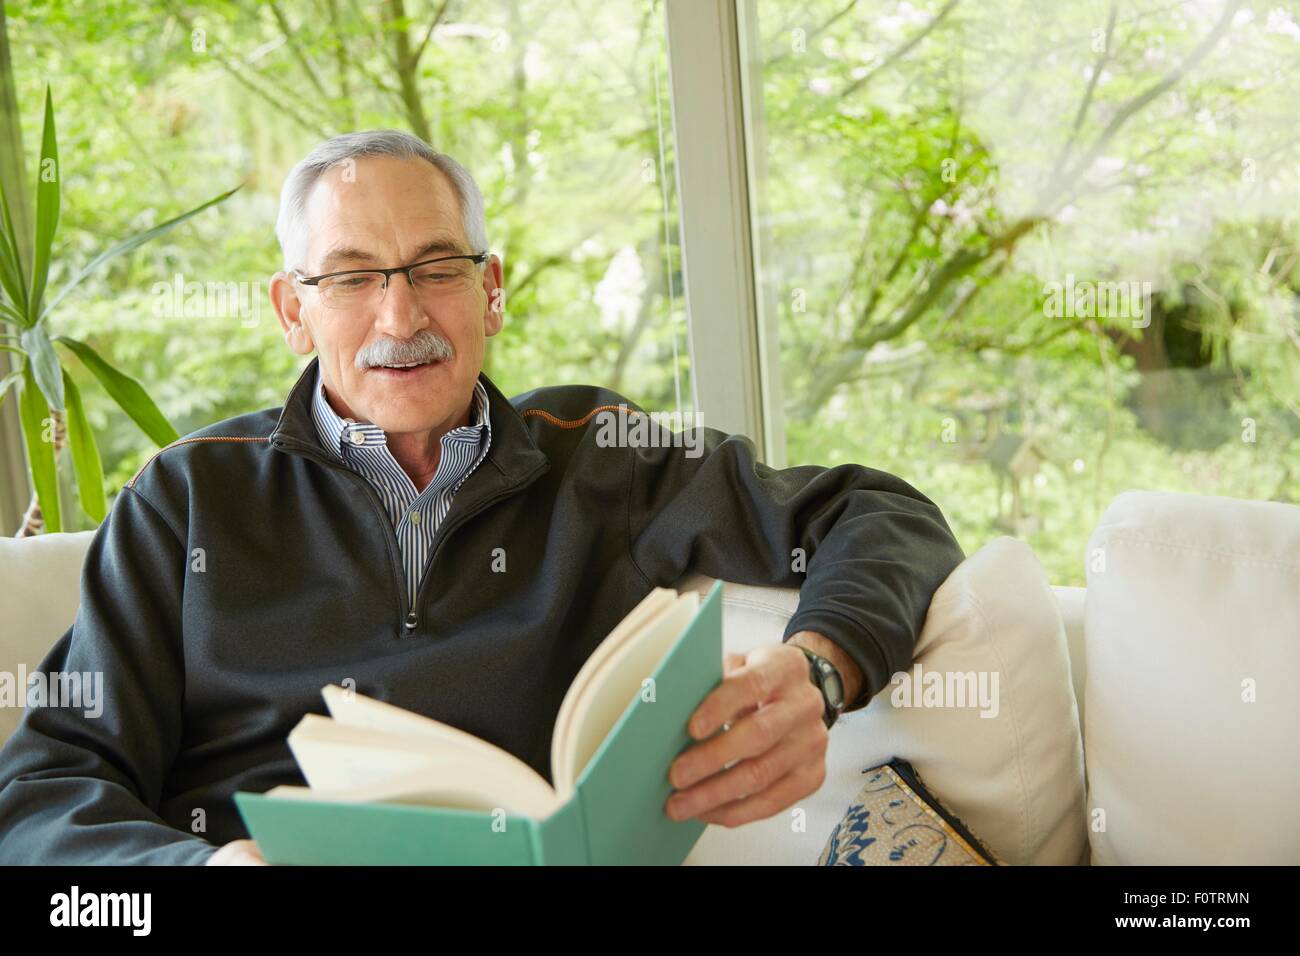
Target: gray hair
point(290, 227)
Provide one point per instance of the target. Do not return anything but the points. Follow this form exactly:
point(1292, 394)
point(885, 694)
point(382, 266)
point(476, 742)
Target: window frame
point(731, 321)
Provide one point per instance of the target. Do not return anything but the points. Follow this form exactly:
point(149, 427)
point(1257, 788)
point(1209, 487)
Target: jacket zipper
point(407, 615)
point(412, 619)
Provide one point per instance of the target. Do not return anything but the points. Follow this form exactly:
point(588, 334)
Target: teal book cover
point(614, 817)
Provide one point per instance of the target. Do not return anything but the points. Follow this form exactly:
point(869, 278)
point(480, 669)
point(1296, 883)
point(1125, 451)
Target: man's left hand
point(776, 741)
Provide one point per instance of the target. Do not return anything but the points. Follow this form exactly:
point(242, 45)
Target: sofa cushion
point(1070, 602)
point(40, 587)
point(1015, 778)
point(1192, 620)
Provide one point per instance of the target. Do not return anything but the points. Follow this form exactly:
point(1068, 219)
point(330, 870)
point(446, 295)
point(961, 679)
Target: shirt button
point(358, 438)
point(415, 517)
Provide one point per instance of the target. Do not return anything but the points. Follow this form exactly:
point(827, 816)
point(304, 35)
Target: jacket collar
point(513, 451)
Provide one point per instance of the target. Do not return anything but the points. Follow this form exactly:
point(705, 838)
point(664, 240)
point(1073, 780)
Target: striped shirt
point(415, 516)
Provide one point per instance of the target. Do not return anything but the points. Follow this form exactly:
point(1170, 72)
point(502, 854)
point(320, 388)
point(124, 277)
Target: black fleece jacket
point(242, 569)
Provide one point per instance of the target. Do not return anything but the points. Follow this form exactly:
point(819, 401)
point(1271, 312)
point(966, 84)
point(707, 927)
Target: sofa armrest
point(40, 588)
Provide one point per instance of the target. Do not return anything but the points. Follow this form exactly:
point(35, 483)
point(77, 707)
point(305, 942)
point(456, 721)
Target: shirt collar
point(513, 454)
point(336, 432)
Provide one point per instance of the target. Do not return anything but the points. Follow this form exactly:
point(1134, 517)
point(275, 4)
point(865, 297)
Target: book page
point(609, 682)
point(351, 709)
point(423, 787)
point(657, 602)
point(336, 757)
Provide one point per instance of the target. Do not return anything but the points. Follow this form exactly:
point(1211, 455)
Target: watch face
point(827, 679)
point(833, 688)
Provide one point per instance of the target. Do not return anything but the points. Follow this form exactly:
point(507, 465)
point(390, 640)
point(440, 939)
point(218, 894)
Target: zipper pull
point(410, 620)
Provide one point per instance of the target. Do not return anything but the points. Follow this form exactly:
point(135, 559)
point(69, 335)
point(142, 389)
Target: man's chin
point(397, 415)
point(406, 422)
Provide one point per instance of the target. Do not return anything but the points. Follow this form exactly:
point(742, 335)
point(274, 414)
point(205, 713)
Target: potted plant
point(50, 405)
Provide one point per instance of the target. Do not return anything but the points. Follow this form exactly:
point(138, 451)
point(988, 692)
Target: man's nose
point(400, 311)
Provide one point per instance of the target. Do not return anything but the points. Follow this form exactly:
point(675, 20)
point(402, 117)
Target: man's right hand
point(238, 853)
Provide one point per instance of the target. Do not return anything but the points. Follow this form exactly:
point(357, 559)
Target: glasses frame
point(477, 258)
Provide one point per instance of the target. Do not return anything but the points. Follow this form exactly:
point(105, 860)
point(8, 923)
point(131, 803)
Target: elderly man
point(401, 523)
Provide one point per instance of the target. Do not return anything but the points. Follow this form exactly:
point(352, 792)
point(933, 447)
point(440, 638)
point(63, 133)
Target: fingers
point(731, 663)
point(756, 753)
point(238, 853)
point(750, 685)
point(804, 780)
point(751, 734)
point(802, 753)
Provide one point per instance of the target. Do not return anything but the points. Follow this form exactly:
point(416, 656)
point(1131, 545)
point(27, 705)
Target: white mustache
point(424, 346)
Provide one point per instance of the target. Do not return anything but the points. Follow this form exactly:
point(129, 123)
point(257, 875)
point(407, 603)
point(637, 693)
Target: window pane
point(559, 110)
point(1029, 267)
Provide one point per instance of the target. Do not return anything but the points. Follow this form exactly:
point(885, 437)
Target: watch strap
point(817, 675)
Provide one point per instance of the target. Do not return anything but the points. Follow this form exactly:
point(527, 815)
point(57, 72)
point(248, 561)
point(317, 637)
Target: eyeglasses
point(431, 280)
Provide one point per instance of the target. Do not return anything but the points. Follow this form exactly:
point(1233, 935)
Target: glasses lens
point(444, 278)
point(352, 289)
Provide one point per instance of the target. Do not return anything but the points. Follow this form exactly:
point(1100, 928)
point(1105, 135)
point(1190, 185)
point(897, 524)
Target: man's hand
point(776, 741)
point(238, 853)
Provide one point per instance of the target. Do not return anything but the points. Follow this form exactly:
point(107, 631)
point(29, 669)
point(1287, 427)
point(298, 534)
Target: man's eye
point(355, 282)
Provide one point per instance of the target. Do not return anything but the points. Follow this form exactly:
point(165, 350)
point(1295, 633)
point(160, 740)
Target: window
point(559, 109)
point(1027, 269)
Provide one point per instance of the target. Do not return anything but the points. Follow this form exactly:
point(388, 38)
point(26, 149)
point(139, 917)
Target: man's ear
point(289, 310)
point(494, 316)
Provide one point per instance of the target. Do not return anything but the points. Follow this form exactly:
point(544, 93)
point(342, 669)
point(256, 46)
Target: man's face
point(384, 212)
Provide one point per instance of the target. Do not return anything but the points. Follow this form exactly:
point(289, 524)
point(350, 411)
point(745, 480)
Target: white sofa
point(1172, 666)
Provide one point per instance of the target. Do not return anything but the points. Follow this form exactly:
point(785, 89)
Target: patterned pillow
point(895, 821)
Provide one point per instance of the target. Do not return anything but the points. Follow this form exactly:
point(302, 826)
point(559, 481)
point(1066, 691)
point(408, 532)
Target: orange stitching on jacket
point(574, 422)
point(186, 441)
point(560, 422)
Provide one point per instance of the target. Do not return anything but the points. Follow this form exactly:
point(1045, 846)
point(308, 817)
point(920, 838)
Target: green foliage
point(40, 449)
point(46, 386)
point(569, 161)
point(930, 168)
point(47, 223)
point(85, 454)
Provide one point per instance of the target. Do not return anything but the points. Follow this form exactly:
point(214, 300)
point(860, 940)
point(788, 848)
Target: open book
point(387, 786)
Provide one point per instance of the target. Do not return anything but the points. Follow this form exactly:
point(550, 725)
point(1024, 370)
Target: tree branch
point(958, 264)
point(1054, 188)
point(290, 37)
point(901, 52)
point(281, 104)
point(1086, 102)
point(437, 18)
point(395, 19)
point(813, 33)
point(341, 59)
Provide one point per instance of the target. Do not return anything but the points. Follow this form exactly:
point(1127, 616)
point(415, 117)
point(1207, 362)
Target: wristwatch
point(823, 673)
